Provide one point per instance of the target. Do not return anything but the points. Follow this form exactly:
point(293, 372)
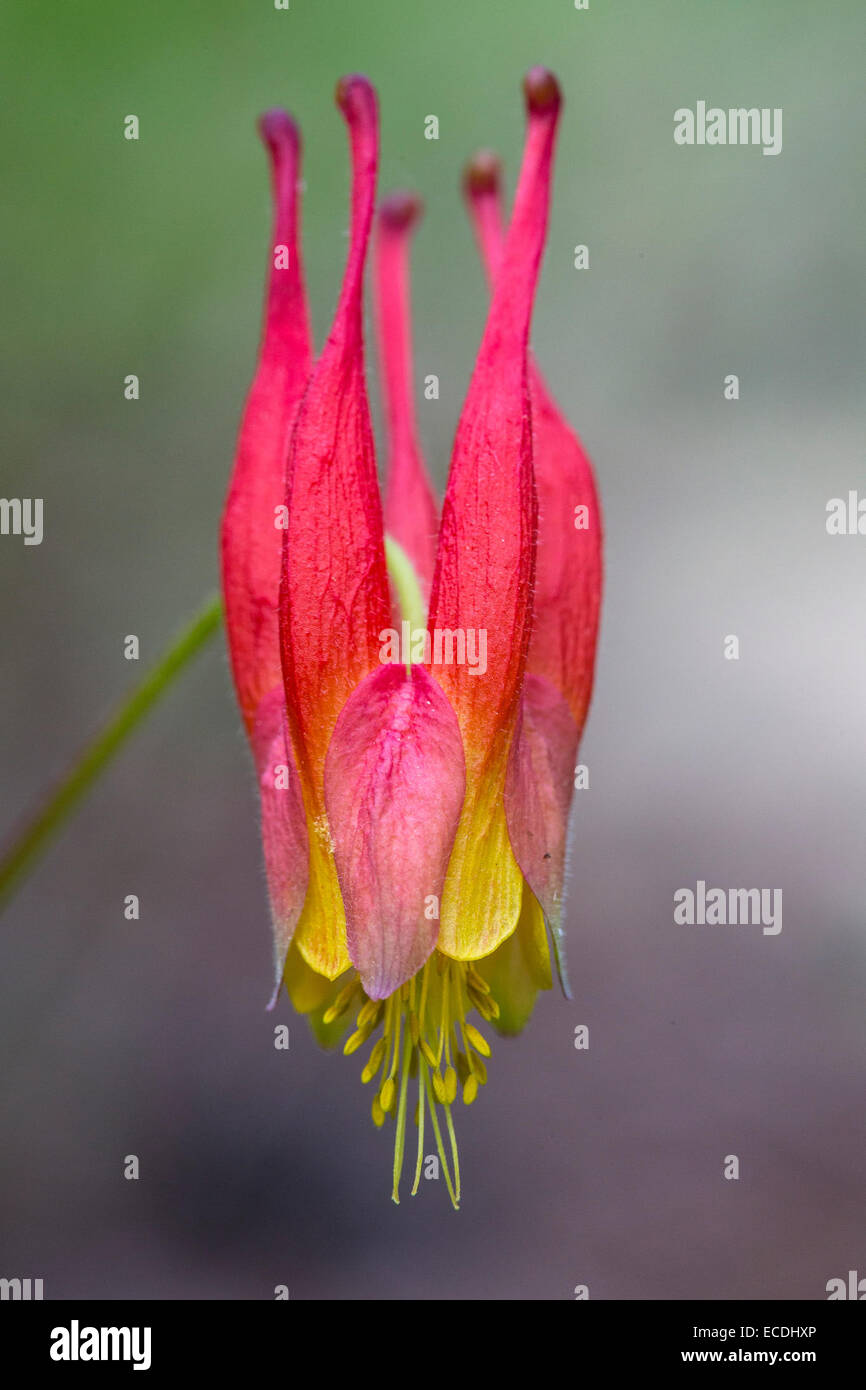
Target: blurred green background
point(148, 257)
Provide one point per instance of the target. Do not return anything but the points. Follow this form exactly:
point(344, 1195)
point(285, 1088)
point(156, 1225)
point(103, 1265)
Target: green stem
point(37, 832)
point(405, 580)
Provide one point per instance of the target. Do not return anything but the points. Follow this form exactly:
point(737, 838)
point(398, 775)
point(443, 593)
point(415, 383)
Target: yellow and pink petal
point(394, 785)
point(334, 598)
point(485, 566)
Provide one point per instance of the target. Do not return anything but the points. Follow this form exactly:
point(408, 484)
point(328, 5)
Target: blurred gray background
point(603, 1167)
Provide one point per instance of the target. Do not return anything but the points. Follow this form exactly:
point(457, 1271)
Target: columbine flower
point(414, 800)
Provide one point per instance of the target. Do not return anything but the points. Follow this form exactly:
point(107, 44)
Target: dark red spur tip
point(356, 97)
point(482, 174)
point(277, 128)
point(401, 211)
point(541, 90)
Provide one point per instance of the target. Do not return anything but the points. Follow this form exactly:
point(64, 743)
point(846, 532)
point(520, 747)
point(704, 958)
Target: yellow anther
point(374, 1061)
point(478, 1041)
point(341, 1003)
point(370, 1013)
point(354, 1041)
point(485, 1004)
point(422, 1022)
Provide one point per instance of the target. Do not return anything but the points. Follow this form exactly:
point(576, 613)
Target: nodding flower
point(416, 784)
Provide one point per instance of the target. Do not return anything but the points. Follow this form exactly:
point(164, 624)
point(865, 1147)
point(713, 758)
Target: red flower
point(415, 782)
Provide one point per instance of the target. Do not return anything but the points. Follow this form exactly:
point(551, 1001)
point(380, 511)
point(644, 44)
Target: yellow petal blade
point(481, 898)
point(321, 930)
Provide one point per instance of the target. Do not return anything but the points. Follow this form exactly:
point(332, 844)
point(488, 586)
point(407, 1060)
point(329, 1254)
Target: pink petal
point(538, 793)
point(394, 785)
point(284, 825)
